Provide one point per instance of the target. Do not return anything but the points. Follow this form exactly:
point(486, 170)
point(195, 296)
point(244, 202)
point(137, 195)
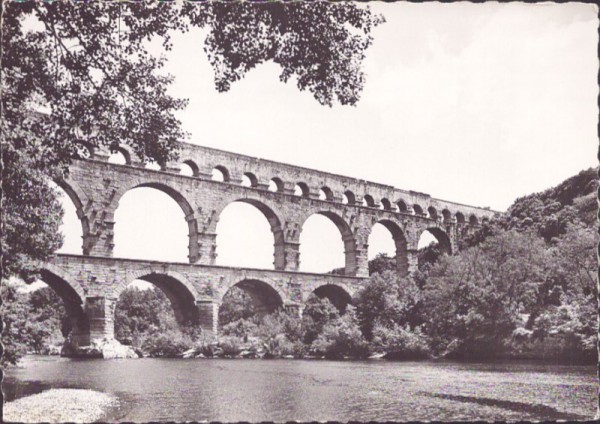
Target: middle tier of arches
point(203, 202)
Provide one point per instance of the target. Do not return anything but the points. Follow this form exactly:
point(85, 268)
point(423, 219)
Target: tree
point(88, 68)
point(387, 300)
point(316, 315)
point(15, 335)
point(473, 300)
point(140, 314)
point(342, 338)
point(237, 305)
point(382, 263)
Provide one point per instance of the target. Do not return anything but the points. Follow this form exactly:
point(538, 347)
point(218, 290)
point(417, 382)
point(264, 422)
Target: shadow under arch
point(350, 267)
point(442, 238)
point(183, 203)
point(274, 223)
point(336, 294)
point(181, 293)
point(265, 298)
point(76, 195)
point(401, 245)
point(73, 297)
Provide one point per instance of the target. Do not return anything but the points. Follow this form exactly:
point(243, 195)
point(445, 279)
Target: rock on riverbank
point(105, 348)
point(60, 405)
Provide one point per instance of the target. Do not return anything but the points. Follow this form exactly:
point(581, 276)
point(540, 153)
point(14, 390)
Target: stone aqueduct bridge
point(90, 284)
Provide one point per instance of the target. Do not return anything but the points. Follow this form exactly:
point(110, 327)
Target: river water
point(308, 390)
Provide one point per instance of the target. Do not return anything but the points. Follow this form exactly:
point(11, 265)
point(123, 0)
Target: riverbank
point(60, 405)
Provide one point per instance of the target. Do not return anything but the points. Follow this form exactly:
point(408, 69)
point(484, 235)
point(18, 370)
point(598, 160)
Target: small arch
point(152, 165)
point(325, 193)
point(460, 218)
point(301, 189)
point(473, 220)
point(189, 168)
point(446, 215)
point(433, 213)
point(337, 295)
point(386, 204)
point(418, 209)
point(265, 297)
point(119, 155)
point(118, 158)
point(402, 206)
point(221, 174)
point(348, 198)
point(82, 150)
point(249, 180)
point(485, 220)
point(368, 201)
point(276, 185)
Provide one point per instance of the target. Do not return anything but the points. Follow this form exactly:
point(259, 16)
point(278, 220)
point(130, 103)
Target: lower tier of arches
point(91, 287)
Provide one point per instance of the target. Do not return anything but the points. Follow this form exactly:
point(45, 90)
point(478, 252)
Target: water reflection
point(279, 390)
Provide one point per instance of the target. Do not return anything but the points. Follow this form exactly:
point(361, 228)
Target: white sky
point(474, 103)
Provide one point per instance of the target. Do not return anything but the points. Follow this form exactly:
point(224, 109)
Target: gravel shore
point(59, 405)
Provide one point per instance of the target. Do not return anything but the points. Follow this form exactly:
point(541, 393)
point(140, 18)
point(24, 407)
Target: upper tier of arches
point(259, 174)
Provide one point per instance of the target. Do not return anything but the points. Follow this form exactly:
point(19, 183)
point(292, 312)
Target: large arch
point(266, 297)
point(442, 238)
point(400, 243)
point(73, 297)
point(347, 236)
point(184, 205)
point(337, 295)
point(77, 196)
point(274, 223)
point(181, 293)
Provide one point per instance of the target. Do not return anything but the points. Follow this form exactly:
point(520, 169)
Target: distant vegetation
point(523, 286)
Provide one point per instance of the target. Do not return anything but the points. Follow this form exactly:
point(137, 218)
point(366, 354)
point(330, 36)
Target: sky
point(473, 103)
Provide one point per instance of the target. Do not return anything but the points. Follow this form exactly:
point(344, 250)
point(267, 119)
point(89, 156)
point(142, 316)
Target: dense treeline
point(523, 286)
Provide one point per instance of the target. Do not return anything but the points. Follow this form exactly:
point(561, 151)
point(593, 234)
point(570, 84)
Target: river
point(308, 390)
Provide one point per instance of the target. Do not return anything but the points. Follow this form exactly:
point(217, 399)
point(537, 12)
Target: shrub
point(230, 345)
point(342, 338)
point(401, 342)
point(170, 344)
point(242, 328)
point(317, 313)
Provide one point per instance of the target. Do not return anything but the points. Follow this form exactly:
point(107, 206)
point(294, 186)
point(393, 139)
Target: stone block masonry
point(91, 283)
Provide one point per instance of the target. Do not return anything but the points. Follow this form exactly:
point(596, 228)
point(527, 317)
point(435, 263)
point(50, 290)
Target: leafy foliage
point(31, 214)
point(401, 342)
point(473, 299)
point(142, 313)
point(342, 338)
point(32, 321)
point(78, 75)
point(236, 305)
point(317, 313)
point(321, 44)
point(387, 300)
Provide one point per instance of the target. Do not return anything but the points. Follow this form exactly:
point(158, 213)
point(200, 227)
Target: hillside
point(573, 200)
